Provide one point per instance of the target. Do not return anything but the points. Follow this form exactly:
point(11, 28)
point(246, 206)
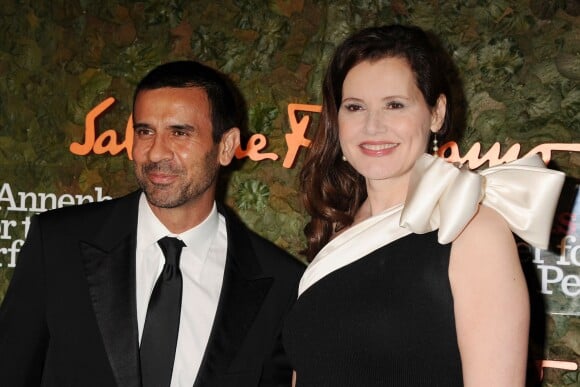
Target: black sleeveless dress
point(384, 320)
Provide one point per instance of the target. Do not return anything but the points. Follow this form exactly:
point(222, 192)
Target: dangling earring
point(435, 146)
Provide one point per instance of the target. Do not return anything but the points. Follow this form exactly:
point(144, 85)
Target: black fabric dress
point(383, 320)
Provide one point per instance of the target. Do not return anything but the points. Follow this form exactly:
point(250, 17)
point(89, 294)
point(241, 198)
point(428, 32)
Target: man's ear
point(229, 143)
point(438, 114)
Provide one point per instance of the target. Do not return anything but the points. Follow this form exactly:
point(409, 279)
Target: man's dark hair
point(221, 93)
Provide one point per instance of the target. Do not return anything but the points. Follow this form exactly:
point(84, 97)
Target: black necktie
point(162, 322)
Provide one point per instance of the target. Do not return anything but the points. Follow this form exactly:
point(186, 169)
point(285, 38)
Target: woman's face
point(383, 119)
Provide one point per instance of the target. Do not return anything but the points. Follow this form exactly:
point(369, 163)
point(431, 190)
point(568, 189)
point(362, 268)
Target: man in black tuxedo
point(85, 295)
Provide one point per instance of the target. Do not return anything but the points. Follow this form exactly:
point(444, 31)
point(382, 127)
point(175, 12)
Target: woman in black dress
point(415, 278)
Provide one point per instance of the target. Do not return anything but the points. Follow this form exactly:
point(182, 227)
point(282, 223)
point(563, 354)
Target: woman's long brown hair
point(332, 190)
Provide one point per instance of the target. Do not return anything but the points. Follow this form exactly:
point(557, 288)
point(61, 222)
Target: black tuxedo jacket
point(69, 315)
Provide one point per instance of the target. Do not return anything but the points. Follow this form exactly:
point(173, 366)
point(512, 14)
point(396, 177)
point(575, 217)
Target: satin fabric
point(443, 197)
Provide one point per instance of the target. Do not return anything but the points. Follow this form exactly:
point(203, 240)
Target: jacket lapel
point(243, 291)
point(109, 262)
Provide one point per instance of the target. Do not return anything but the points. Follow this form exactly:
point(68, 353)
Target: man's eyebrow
point(182, 127)
point(140, 125)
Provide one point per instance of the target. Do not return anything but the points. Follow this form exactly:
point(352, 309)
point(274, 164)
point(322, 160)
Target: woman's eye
point(352, 107)
point(394, 105)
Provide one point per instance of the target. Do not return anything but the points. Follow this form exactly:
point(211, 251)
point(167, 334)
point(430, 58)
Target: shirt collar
point(198, 239)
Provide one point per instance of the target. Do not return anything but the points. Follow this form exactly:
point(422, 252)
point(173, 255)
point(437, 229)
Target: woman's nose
point(376, 122)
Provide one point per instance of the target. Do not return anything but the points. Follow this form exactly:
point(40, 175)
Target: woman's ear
point(438, 114)
point(229, 143)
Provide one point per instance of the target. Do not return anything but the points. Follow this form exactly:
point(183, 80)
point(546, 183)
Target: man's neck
point(185, 217)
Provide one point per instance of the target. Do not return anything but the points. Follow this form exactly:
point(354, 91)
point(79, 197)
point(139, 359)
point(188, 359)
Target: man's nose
point(160, 149)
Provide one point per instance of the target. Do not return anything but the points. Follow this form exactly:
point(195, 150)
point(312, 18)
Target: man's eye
point(143, 131)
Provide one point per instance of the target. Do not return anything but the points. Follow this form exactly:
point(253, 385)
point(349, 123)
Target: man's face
point(176, 160)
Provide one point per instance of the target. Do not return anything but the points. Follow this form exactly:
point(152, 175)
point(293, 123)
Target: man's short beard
point(185, 193)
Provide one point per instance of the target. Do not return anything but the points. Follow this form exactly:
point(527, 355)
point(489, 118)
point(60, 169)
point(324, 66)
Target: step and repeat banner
point(68, 69)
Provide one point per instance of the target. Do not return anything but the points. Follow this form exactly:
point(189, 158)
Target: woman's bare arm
point(491, 303)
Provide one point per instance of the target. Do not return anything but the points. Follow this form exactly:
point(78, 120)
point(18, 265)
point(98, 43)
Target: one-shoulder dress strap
point(443, 197)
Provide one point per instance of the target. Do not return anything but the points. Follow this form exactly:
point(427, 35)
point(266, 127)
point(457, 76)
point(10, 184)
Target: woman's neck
point(382, 195)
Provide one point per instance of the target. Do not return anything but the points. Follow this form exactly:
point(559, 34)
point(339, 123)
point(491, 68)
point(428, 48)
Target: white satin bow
point(442, 196)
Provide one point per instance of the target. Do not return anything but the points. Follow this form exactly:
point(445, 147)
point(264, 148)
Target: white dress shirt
point(202, 266)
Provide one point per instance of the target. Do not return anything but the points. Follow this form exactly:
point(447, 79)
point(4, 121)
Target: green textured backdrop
point(519, 62)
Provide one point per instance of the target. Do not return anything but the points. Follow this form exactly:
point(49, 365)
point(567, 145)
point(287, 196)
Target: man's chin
point(162, 199)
